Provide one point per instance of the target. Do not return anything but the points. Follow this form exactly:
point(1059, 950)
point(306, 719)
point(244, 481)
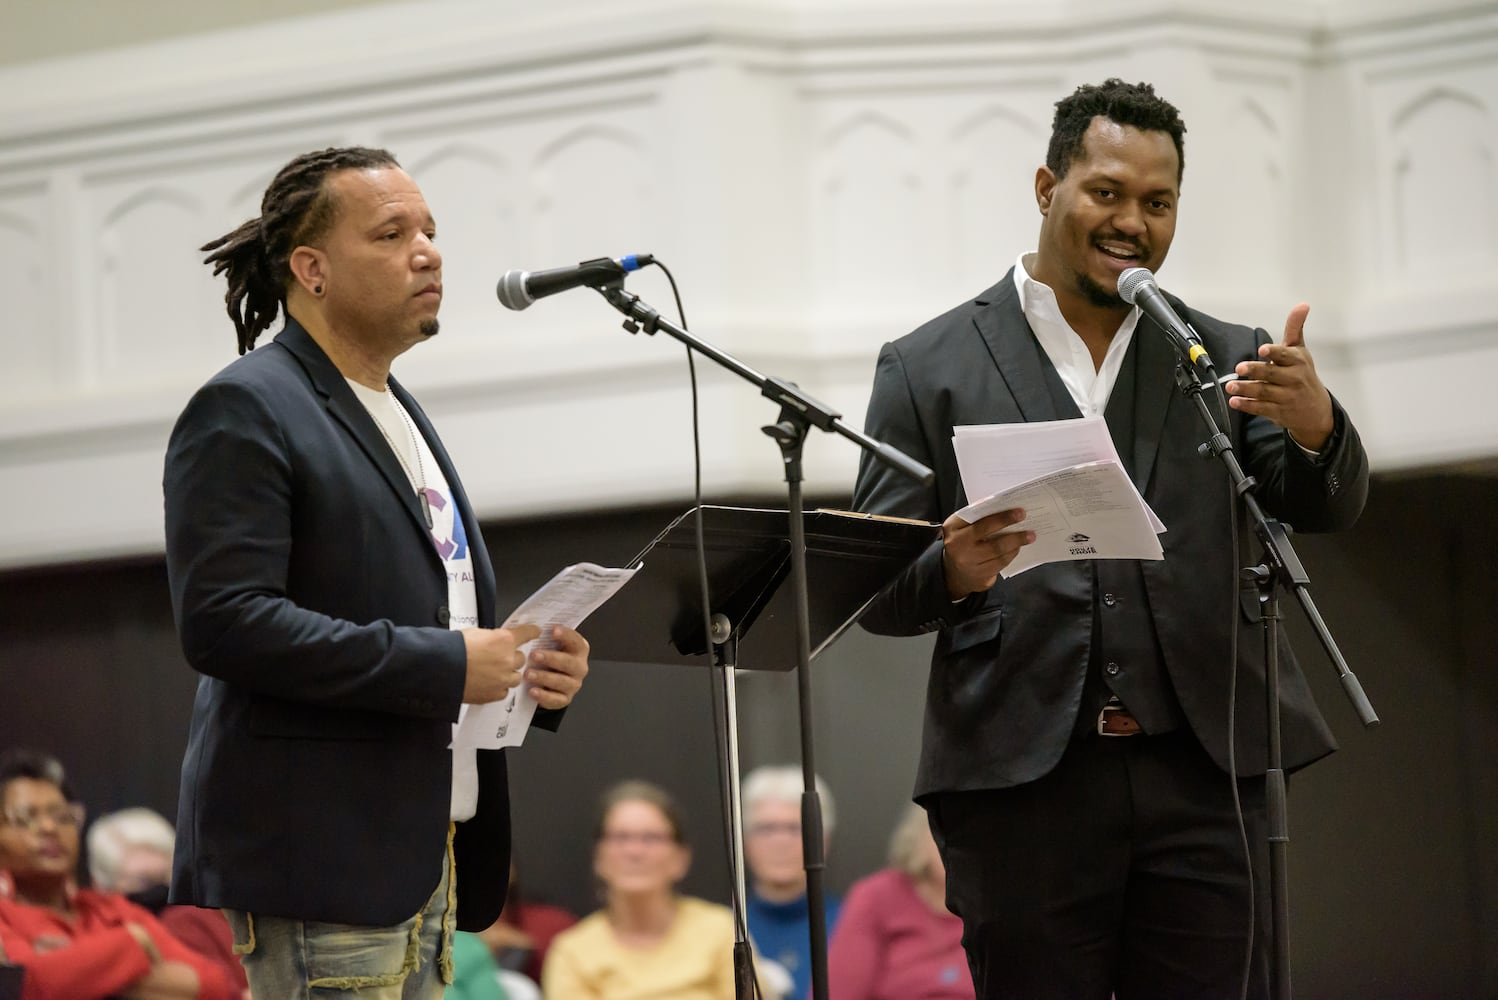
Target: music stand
point(658, 619)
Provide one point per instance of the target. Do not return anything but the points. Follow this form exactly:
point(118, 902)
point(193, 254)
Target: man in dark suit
point(1077, 739)
point(330, 584)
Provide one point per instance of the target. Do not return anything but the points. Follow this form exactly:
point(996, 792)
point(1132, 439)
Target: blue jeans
point(289, 959)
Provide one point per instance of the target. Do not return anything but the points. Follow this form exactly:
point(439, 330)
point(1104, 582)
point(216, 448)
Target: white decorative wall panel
point(820, 176)
point(33, 356)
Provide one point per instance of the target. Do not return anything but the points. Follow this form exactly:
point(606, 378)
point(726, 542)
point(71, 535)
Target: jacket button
point(1109, 600)
point(1112, 669)
point(443, 615)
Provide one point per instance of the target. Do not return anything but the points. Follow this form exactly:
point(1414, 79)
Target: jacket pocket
point(981, 628)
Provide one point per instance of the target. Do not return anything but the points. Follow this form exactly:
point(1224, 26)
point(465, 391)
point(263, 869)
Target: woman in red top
point(895, 938)
point(75, 944)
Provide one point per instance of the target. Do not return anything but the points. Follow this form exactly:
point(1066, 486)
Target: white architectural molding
point(821, 176)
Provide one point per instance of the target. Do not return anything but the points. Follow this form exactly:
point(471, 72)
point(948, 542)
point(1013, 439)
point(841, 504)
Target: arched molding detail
point(147, 197)
point(583, 133)
point(997, 114)
point(840, 133)
point(17, 223)
point(1419, 105)
point(456, 151)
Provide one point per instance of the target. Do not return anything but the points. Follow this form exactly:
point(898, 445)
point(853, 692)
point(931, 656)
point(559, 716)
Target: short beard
point(428, 328)
point(1097, 295)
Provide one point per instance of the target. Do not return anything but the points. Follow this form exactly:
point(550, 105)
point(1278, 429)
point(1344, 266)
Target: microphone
point(518, 289)
point(1137, 287)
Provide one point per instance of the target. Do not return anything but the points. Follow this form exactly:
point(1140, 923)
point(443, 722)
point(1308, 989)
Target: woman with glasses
point(73, 942)
point(648, 942)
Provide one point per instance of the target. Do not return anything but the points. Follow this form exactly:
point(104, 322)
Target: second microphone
point(518, 289)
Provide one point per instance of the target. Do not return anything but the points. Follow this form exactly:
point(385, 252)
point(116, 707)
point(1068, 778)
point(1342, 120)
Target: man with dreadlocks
point(1077, 747)
point(330, 584)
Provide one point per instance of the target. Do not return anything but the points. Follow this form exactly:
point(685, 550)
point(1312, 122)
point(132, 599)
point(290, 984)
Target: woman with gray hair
point(896, 940)
point(130, 851)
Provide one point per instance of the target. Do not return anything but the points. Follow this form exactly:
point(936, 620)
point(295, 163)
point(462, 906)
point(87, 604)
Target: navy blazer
point(309, 595)
point(1008, 668)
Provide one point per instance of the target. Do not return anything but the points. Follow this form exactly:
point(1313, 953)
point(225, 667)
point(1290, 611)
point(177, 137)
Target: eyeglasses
point(31, 820)
point(645, 838)
point(770, 829)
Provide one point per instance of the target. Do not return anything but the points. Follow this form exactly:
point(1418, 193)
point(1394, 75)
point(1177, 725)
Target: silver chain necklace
point(418, 479)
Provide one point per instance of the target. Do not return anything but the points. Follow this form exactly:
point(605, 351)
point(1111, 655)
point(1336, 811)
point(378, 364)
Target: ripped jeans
point(289, 959)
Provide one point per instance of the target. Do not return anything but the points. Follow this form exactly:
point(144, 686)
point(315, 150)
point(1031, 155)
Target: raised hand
point(1284, 387)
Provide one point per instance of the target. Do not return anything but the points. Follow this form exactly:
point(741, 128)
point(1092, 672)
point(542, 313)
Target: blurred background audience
point(895, 938)
point(130, 852)
point(76, 943)
point(647, 942)
point(521, 936)
point(777, 907)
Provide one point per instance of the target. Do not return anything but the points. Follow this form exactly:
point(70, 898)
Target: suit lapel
point(1022, 364)
point(345, 407)
point(1155, 387)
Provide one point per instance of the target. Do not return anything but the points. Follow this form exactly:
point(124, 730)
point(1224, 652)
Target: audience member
point(648, 942)
point(896, 939)
point(521, 936)
point(777, 908)
point(130, 852)
point(475, 974)
point(81, 944)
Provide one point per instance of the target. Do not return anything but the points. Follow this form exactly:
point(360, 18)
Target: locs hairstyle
point(297, 210)
point(1131, 104)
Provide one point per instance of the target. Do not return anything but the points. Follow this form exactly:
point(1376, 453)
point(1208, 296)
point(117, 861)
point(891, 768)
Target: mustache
point(1130, 241)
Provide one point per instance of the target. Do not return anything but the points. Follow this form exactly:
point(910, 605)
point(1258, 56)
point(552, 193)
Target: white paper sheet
point(568, 598)
point(1088, 511)
point(993, 458)
point(1066, 476)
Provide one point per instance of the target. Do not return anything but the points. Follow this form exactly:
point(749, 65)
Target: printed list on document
point(568, 598)
point(1066, 476)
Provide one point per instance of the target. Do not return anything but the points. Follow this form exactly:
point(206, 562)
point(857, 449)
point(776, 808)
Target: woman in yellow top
point(647, 943)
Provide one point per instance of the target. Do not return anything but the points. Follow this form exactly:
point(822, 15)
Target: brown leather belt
point(1115, 720)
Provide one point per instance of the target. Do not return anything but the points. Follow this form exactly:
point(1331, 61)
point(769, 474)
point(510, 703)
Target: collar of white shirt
point(1089, 386)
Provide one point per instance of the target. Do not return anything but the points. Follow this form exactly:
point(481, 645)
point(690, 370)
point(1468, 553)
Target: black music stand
point(659, 618)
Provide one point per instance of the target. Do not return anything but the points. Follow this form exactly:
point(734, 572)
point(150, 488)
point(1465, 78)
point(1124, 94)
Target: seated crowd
point(893, 938)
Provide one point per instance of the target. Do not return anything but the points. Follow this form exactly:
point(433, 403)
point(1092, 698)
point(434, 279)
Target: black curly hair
point(297, 210)
point(1132, 104)
point(20, 762)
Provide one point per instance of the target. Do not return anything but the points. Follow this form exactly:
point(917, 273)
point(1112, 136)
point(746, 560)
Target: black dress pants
point(1120, 873)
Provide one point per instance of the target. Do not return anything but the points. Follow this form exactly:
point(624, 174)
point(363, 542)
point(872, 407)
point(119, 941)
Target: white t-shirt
point(451, 541)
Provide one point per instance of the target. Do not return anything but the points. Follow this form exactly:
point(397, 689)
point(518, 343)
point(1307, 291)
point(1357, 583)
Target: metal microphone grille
point(1132, 281)
point(511, 290)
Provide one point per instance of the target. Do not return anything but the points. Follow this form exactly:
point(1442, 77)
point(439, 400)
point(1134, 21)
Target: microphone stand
point(1280, 568)
point(798, 414)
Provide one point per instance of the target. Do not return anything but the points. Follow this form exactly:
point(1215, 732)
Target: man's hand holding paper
point(1078, 501)
point(975, 553)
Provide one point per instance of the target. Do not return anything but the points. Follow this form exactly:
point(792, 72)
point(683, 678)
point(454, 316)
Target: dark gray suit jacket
point(310, 596)
point(1009, 665)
